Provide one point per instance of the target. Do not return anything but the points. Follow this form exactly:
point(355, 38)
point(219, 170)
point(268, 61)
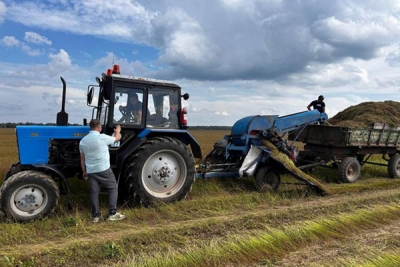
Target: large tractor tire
point(267, 179)
point(161, 170)
point(349, 170)
point(394, 166)
point(28, 195)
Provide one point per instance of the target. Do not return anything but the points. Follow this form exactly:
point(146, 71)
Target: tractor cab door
point(163, 107)
point(129, 108)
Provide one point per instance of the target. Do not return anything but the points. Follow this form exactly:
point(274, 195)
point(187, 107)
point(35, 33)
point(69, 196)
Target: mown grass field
point(222, 222)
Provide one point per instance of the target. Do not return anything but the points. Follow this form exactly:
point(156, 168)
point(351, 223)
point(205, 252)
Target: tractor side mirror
point(185, 96)
point(98, 80)
point(90, 95)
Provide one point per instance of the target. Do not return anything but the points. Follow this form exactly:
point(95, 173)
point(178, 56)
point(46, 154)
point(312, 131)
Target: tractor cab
point(136, 103)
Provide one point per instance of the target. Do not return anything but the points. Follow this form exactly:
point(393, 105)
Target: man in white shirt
point(95, 163)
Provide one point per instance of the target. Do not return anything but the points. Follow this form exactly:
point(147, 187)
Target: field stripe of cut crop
point(236, 248)
point(162, 237)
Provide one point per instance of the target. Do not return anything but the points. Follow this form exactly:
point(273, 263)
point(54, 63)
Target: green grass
point(222, 222)
point(164, 228)
point(276, 243)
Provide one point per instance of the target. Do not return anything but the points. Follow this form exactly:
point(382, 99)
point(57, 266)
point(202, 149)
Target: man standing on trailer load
point(95, 163)
point(318, 104)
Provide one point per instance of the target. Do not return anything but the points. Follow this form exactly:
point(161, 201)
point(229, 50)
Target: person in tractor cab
point(318, 104)
point(132, 111)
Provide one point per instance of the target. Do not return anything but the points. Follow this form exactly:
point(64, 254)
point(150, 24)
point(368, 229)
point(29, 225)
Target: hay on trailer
point(289, 165)
point(364, 115)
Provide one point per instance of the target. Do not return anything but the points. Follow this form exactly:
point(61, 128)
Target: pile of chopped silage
point(364, 115)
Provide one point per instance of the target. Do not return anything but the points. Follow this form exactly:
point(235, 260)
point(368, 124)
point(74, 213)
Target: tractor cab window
point(163, 108)
point(128, 106)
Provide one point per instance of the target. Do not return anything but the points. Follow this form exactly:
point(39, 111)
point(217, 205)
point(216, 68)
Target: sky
point(235, 58)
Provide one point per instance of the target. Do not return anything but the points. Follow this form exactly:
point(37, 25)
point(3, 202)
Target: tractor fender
point(182, 135)
point(40, 167)
point(56, 171)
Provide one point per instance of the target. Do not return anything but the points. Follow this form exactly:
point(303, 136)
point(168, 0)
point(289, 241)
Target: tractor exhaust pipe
point(62, 116)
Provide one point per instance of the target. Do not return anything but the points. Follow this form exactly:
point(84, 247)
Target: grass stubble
point(222, 222)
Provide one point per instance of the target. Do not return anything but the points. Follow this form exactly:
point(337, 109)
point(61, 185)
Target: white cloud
point(10, 41)
point(30, 51)
point(234, 57)
point(81, 17)
point(235, 40)
point(3, 11)
point(59, 62)
point(36, 38)
point(393, 58)
point(186, 43)
point(132, 68)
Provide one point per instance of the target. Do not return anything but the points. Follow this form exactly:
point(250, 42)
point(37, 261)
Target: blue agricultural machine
point(243, 152)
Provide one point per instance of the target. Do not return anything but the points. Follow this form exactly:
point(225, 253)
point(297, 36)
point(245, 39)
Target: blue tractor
point(152, 162)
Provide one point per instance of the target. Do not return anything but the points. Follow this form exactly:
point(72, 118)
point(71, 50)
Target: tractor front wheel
point(28, 195)
point(161, 170)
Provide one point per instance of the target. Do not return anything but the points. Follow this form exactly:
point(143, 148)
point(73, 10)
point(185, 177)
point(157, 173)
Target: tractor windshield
point(153, 107)
point(163, 107)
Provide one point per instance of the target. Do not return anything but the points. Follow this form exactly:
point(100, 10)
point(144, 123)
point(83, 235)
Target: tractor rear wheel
point(267, 179)
point(161, 170)
point(349, 170)
point(28, 195)
point(394, 166)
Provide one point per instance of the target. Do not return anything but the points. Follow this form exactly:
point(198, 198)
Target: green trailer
point(347, 149)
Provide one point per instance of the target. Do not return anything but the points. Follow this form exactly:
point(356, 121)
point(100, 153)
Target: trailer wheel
point(28, 195)
point(349, 170)
point(394, 166)
point(161, 170)
point(267, 179)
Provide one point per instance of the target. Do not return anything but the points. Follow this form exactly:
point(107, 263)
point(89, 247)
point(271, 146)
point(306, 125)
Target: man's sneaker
point(96, 219)
point(116, 217)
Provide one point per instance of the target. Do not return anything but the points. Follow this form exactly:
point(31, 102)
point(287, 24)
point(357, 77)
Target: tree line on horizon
point(14, 125)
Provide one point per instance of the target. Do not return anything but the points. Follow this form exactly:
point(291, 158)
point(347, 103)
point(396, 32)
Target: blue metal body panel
point(294, 121)
point(250, 123)
point(34, 141)
point(244, 131)
point(281, 124)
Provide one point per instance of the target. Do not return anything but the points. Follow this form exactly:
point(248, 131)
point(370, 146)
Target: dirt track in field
point(129, 229)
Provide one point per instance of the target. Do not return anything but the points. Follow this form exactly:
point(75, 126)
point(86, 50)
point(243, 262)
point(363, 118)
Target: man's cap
point(321, 97)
